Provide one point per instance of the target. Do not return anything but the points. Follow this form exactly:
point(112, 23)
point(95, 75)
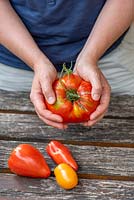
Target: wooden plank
point(91, 159)
point(18, 101)
point(30, 127)
point(14, 187)
point(120, 106)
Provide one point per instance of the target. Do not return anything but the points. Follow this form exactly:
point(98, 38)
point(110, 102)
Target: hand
point(89, 71)
point(45, 75)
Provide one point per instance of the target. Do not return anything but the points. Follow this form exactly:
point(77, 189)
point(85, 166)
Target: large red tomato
point(73, 99)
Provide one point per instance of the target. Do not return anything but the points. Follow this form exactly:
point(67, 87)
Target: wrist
point(86, 57)
point(40, 60)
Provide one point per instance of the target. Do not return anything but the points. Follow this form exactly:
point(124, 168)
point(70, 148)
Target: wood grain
point(14, 187)
point(105, 152)
point(30, 127)
point(91, 160)
point(18, 101)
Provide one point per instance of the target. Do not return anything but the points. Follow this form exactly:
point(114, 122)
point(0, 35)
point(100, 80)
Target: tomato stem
point(72, 95)
point(67, 71)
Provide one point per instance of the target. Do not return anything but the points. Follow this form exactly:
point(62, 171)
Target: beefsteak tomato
point(73, 99)
point(61, 154)
point(26, 160)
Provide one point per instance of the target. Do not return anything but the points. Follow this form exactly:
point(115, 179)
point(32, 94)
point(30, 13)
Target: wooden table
point(105, 152)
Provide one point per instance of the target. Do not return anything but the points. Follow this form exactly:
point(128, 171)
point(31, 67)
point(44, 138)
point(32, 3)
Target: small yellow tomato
point(66, 176)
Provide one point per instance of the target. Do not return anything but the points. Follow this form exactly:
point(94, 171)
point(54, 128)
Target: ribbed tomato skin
point(73, 111)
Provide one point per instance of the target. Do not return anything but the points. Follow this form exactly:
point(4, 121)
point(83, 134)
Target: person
point(36, 37)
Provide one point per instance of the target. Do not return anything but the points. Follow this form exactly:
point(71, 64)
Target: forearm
point(113, 21)
point(15, 37)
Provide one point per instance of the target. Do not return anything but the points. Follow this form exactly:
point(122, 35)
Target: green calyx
point(72, 95)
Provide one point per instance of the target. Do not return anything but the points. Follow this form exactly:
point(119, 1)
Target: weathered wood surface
point(30, 127)
point(91, 159)
point(18, 101)
point(15, 187)
point(105, 152)
point(120, 106)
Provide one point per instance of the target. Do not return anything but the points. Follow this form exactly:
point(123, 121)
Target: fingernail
point(96, 97)
point(51, 100)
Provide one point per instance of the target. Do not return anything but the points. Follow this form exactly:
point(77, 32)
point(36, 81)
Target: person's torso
point(59, 27)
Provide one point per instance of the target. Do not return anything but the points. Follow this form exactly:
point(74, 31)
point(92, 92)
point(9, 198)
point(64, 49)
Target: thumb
point(96, 87)
point(48, 91)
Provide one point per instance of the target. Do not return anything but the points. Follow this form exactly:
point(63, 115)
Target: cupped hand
point(89, 71)
point(44, 76)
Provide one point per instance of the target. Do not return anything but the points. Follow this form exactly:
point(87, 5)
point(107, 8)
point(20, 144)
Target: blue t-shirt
point(59, 27)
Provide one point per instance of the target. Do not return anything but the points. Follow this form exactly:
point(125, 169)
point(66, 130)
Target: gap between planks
point(86, 176)
point(17, 112)
point(80, 143)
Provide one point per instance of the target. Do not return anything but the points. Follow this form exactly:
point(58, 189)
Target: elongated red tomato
point(61, 154)
point(73, 99)
point(66, 176)
point(26, 160)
